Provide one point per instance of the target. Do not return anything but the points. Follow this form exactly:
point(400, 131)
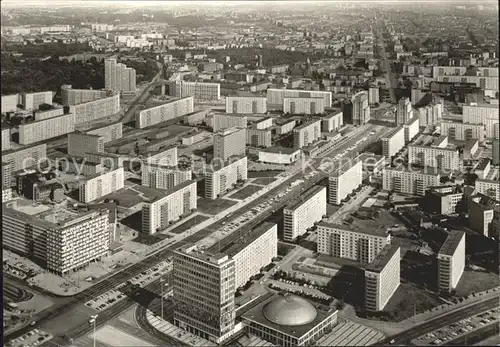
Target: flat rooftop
point(279, 149)
point(306, 124)
point(451, 243)
point(381, 260)
point(493, 176)
point(471, 143)
point(305, 197)
point(376, 231)
point(427, 170)
point(393, 132)
point(483, 163)
point(161, 193)
point(366, 155)
point(237, 241)
point(195, 251)
point(256, 314)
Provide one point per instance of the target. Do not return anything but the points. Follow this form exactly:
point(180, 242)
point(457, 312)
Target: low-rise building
point(359, 244)
point(168, 207)
point(382, 278)
point(263, 123)
point(285, 128)
point(303, 213)
point(481, 212)
point(194, 137)
point(195, 118)
point(451, 261)
point(470, 149)
point(165, 157)
point(42, 115)
point(443, 199)
point(279, 155)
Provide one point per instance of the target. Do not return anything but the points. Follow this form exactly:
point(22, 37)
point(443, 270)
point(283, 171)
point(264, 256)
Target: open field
point(264, 180)
point(476, 281)
point(214, 206)
point(197, 219)
point(126, 198)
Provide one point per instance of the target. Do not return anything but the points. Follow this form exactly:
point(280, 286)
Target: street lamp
point(92, 321)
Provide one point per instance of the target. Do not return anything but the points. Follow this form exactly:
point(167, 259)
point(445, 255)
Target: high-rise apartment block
point(451, 261)
point(72, 96)
point(198, 90)
point(302, 214)
point(224, 121)
point(485, 114)
point(118, 77)
point(382, 278)
point(65, 241)
point(404, 112)
point(80, 143)
point(31, 101)
point(251, 250)
point(101, 184)
point(332, 122)
point(307, 133)
point(360, 108)
point(309, 106)
point(55, 112)
point(165, 157)
point(246, 104)
point(373, 95)
point(275, 97)
point(24, 158)
point(109, 132)
point(92, 110)
point(204, 287)
point(485, 77)
point(411, 129)
point(173, 204)
point(5, 139)
point(495, 152)
point(9, 102)
point(489, 185)
point(259, 137)
point(344, 180)
point(263, 123)
point(430, 114)
point(219, 178)
point(165, 112)
point(284, 128)
point(359, 244)
point(408, 180)
point(393, 142)
point(229, 142)
point(163, 177)
point(463, 131)
point(436, 154)
point(45, 129)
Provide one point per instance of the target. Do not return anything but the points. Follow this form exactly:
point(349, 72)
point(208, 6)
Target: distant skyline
point(147, 3)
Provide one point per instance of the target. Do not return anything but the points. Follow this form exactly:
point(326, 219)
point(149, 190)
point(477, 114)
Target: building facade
point(357, 244)
point(309, 106)
point(306, 133)
point(218, 179)
point(485, 114)
point(382, 278)
point(279, 155)
point(165, 112)
point(343, 181)
point(31, 101)
point(275, 97)
point(79, 144)
point(451, 261)
point(407, 180)
point(45, 129)
point(102, 184)
point(160, 212)
point(411, 129)
point(24, 158)
point(246, 104)
point(6, 139)
point(92, 110)
point(109, 132)
point(393, 142)
point(204, 287)
point(229, 142)
point(332, 122)
point(259, 137)
point(404, 112)
point(302, 214)
point(224, 121)
point(433, 156)
point(200, 90)
point(463, 131)
point(72, 96)
point(163, 177)
point(360, 108)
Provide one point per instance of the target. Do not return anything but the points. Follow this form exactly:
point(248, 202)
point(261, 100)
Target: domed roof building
point(289, 320)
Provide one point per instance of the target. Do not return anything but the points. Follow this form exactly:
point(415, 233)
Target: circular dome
point(290, 310)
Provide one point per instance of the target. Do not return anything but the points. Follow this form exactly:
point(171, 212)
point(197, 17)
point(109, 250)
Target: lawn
point(258, 174)
point(214, 207)
point(401, 304)
point(197, 219)
point(149, 240)
point(244, 193)
point(476, 281)
point(126, 198)
point(264, 180)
